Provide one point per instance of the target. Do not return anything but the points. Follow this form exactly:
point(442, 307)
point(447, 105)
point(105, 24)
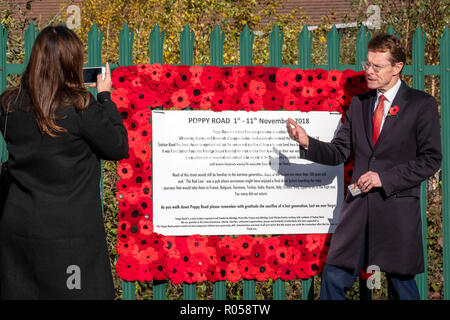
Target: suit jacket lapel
point(367, 115)
point(399, 100)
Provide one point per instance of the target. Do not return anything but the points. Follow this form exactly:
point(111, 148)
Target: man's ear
point(398, 67)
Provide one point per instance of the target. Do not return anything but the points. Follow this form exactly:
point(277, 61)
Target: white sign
point(237, 172)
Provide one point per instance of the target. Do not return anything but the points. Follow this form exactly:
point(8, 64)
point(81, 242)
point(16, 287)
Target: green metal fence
point(418, 70)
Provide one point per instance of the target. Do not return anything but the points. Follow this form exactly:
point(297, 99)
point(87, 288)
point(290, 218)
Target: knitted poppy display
point(145, 255)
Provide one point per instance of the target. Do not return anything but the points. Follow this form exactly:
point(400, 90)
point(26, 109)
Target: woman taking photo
point(52, 237)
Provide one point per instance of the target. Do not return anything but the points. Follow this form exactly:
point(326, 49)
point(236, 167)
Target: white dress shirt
point(389, 95)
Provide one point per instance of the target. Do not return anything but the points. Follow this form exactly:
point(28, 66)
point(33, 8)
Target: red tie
point(377, 119)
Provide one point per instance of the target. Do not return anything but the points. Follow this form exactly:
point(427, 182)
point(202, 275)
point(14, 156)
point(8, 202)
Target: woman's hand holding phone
point(103, 84)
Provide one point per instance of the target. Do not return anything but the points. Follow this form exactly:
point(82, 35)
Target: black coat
point(408, 151)
point(53, 219)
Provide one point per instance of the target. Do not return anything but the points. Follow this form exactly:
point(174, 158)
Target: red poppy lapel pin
point(393, 111)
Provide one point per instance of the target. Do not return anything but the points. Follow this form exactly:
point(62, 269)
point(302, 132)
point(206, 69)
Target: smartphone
point(90, 74)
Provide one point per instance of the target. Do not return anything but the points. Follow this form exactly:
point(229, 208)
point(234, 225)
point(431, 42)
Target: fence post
point(275, 51)
point(246, 46)
point(308, 289)
point(126, 38)
point(216, 46)
point(189, 291)
point(159, 290)
point(216, 59)
point(3, 81)
point(187, 46)
point(391, 31)
point(125, 59)
point(418, 62)
point(95, 38)
point(128, 290)
point(220, 290)
point(3, 42)
point(156, 56)
point(304, 48)
point(445, 132)
point(246, 56)
point(156, 45)
point(249, 288)
point(304, 60)
point(362, 39)
point(187, 58)
point(276, 47)
point(333, 48)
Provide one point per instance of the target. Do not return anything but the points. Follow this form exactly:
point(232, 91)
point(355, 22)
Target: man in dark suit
point(394, 134)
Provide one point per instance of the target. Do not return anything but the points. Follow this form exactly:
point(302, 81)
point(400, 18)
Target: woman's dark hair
point(53, 77)
point(387, 42)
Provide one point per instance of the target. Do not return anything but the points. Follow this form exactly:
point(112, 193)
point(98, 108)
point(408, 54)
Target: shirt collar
point(390, 94)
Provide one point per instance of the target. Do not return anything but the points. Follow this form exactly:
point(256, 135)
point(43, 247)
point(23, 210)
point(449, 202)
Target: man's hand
point(368, 181)
point(297, 133)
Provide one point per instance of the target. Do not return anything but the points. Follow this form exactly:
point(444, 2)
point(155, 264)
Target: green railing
point(418, 70)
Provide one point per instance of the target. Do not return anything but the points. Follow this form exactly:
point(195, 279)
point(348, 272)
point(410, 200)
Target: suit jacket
point(408, 151)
